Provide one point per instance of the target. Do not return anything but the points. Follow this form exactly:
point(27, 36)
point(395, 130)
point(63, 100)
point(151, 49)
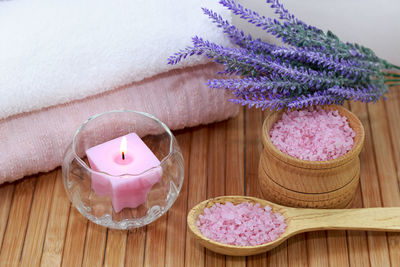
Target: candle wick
point(123, 156)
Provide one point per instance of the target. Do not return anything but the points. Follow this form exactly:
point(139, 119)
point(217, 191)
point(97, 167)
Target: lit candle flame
point(123, 147)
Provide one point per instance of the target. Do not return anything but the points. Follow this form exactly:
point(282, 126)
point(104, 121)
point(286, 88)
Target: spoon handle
point(375, 219)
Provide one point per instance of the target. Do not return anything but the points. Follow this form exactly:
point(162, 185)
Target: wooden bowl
point(290, 181)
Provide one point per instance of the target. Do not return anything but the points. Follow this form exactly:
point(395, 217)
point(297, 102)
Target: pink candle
point(124, 155)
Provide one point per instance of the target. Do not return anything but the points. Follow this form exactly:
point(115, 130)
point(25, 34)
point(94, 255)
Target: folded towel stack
point(69, 60)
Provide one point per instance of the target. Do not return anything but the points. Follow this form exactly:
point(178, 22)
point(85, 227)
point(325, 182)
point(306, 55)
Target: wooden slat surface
point(39, 227)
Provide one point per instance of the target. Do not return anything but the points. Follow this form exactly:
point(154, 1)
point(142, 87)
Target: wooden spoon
point(298, 220)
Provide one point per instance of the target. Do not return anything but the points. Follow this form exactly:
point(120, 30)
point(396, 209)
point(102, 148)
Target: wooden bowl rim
point(354, 152)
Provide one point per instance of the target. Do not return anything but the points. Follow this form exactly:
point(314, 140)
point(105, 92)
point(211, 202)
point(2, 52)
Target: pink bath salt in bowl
point(315, 134)
point(244, 224)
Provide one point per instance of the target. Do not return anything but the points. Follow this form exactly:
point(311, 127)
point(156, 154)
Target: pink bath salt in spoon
point(296, 220)
point(244, 224)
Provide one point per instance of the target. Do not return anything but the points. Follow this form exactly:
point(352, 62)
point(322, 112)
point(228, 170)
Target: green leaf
point(332, 35)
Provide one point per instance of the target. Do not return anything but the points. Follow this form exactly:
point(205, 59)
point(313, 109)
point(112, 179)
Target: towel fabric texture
point(36, 141)
point(63, 61)
point(56, 51)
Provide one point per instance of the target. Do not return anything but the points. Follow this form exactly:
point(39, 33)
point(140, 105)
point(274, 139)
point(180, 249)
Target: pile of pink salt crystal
point(244, 224)
point(314, 134)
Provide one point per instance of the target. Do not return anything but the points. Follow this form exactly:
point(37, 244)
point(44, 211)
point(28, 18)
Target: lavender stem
point(392, 80)
point(392, 74)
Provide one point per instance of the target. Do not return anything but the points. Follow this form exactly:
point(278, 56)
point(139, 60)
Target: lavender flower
point(346, 67)
point(315, 99)
point(370, 93)
point(263, 102)
point(318, 68)
point(238, 36)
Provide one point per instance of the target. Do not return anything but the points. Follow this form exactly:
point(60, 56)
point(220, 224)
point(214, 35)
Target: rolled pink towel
point(36, 141)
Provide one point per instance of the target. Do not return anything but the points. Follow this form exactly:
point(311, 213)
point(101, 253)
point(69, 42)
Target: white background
point(372, 23)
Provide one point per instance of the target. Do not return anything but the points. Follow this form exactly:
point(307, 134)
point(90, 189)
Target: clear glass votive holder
point(78, 175)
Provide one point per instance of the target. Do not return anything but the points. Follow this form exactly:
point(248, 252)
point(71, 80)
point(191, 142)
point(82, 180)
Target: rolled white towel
point(56, 51)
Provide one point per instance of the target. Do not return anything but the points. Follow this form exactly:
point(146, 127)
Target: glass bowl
point(80, 178)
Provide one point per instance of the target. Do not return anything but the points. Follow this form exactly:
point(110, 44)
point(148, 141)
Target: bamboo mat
point(39, 227)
